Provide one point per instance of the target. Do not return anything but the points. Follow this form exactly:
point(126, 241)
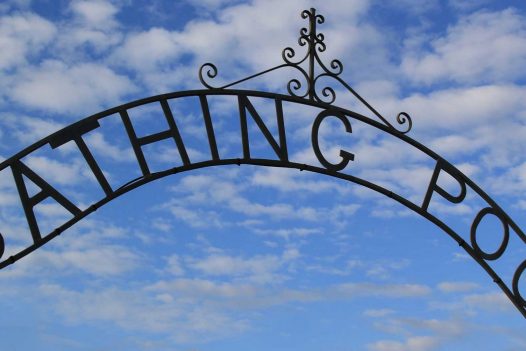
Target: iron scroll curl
point(307, 85)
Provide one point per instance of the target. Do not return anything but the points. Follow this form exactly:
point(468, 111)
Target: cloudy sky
point(236, 258)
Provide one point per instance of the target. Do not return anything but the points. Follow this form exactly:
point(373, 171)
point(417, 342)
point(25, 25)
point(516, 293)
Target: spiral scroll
point(404, 118)
point(305, 86)
point(211, 72)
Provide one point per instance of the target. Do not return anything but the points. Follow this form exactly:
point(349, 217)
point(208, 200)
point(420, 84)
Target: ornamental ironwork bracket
point(315, 43)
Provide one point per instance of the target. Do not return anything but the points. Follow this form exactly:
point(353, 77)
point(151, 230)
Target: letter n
point(281, 149)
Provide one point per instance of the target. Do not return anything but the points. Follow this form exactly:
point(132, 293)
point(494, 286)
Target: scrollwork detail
point(306, 14)
point(288, 54)
point(211, 72)
point(326, 91)
point(294, 85)
point(402, 118)
point(315, 45)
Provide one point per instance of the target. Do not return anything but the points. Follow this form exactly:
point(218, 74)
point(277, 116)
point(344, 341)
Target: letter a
point(19, 170)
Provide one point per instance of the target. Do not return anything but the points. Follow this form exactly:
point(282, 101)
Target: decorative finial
point(316, 70)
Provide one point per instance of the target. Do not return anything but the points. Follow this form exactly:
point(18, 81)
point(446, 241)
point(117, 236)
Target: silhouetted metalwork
point(75, 133)
point(315, 43)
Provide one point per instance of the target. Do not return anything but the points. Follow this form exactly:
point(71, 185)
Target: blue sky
point(234, 258)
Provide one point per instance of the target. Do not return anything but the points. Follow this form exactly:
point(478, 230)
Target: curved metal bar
point(280, 164)
point(479, 256)
point(393, 132)
point(230, 92)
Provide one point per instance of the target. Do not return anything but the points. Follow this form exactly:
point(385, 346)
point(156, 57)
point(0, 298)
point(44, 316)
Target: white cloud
point(378, 313)
point(80, 89)
point(494, 301)
point(93, 27)
point(346, 269)
point(72, 44)
point(289, 181)
point(382, 152)
point(30, 129)
point(455, 108)
point(194, 217)
point(485, 46)
point(201, 288)
point(162, 224)
point(260, 269)
point(456, 144)
point(237, 28)
point(107, 260)
point(97, 142)
point(513, 181)
point(211, 5)
point(95, 13)
point(467, 5)
point(86, 248)
point(410, 182)
point(146, 51)
point(207, 190)
point(414, 343)
point(456, 287)
point(417, 7)
point(442, 332)
point(61, 173)
point(383, 270)
point(351, 290)
point(286, 233)
point(446, 208)
point(21, 36)
point(174, 265)
point(135, 310)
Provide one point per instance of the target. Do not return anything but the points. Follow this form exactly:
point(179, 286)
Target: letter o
point(2, 245)
point(494, 255)
point(515, 283)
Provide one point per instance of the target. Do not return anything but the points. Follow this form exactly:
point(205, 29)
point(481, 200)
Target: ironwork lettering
point(209, 127)
point(515, 283)
point(2, 245)
point(139, 142)
point(75, 133)
point(281, 149)
point(495, 255)
point(434, 187)
point(19, 170)
point(345, 155)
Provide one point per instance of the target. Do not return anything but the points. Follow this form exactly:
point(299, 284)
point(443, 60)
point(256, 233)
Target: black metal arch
point(74, 133)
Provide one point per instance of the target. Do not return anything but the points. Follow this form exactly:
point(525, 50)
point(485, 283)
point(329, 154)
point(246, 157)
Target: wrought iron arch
point(310, 97)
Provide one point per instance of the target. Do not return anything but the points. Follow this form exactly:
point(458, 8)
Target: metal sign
point(321, 98)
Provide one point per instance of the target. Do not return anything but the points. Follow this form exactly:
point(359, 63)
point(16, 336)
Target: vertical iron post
point(312, 50)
